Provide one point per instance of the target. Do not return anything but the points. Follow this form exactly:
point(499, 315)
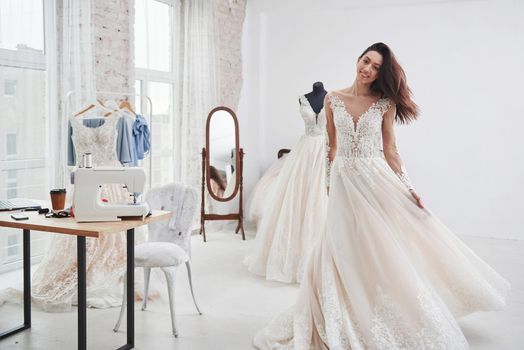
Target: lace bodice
point(362, 137)
point(99, 141)
point(314, 126)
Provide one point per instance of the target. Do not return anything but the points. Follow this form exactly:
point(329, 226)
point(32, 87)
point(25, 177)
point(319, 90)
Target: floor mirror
point(222, 166)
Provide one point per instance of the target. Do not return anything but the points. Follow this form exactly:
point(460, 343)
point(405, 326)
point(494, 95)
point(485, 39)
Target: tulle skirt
point(294, 215)
point(385, 274)
point(258, 199)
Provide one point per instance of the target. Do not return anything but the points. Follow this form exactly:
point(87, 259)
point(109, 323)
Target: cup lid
point(58, 190)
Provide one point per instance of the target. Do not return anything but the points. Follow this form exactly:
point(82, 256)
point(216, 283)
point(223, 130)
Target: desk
point(81, 231)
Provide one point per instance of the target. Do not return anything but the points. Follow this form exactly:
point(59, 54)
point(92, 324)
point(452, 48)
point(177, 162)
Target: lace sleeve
point(403, 176)
point(390, 148)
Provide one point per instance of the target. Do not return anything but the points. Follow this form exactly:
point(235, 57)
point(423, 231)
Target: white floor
point(237, 304)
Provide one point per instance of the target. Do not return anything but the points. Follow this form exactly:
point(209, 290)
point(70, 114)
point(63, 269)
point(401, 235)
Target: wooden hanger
point(125, 104)
point(91, 106)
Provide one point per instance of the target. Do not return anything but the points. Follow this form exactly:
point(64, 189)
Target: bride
point(386, 274)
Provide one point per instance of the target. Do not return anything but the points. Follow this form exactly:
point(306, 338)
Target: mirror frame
point(208, 151)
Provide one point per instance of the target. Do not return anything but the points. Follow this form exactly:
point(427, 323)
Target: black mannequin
point(316, 97)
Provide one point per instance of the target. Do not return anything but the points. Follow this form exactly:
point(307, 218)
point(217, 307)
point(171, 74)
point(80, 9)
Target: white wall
point(465, 64)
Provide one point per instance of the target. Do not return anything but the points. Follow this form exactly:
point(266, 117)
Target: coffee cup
point(58, 199)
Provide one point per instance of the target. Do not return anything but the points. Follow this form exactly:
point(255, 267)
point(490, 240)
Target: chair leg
point(123, 307)
point(188, 266)
point(147, 275)
point(170, 278)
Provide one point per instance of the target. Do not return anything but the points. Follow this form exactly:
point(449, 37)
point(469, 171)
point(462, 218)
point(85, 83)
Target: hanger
point(91, 106)
point(126, 105)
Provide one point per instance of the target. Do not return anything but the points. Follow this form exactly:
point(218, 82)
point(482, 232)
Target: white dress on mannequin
point(55, 279)
point(296, 207)
point(385, 274)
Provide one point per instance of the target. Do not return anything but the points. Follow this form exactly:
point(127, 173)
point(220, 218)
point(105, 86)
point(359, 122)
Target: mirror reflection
point(222, 154)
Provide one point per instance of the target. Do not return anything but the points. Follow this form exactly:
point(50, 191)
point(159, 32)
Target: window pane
point(11, 144)
point(159, 36)
point(21, 24)
point(12, 247)
point(153, 35)
point(10, 87)
point(140, 34)
point(162, 133)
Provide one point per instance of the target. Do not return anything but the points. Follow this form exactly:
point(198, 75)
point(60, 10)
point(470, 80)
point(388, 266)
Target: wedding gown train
point(385, 275)
point(295, 207)
point(258, 199)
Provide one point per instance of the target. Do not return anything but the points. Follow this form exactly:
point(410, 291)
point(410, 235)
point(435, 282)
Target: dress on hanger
point(296, 206)
point(385, 273)
point(54, 285)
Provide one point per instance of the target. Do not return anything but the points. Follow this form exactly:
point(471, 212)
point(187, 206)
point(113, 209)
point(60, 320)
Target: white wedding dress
point(55, 279)
point(296, 206)
point(258, 199)
point(386, 275)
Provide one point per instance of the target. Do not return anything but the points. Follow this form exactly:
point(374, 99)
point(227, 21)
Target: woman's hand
point(417, 199)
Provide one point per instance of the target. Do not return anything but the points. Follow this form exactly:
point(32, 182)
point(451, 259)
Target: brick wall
point(229, 18)
point(113, 36)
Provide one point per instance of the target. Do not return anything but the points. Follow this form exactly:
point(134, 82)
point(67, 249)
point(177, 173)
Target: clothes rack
point(126, 96)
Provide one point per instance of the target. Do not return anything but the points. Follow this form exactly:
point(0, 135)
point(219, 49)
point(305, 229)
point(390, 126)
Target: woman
point(387, 274)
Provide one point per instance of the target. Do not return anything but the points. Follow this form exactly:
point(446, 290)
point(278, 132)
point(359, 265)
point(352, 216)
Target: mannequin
point(316, 97)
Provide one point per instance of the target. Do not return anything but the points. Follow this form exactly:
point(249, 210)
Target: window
point(10, 145)
point(154, 27)
point(24, 122)
point(13, 247)
point(11, 184)
point(10, 88)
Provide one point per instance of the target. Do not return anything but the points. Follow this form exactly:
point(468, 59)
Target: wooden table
point(69, 226)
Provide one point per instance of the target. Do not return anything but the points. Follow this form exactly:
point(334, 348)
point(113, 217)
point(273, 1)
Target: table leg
point(82, 294)
point(27, 278)
point(26, 251)
point(130, 291)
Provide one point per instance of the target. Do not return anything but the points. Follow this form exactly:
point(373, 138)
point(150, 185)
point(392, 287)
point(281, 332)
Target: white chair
point(169, 242)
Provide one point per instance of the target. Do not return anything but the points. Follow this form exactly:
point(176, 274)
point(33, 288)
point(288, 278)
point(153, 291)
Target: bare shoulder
point(343, 93)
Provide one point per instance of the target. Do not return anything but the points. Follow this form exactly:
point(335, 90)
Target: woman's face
point(368, 67)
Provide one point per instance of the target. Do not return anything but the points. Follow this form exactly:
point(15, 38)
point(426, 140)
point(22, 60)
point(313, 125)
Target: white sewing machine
point(87, 202)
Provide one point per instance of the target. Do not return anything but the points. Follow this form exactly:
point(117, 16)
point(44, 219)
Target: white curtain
point(198, 89)
point(77, 83)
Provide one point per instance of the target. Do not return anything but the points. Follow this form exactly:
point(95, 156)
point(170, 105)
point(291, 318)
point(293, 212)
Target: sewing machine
point(87, 202)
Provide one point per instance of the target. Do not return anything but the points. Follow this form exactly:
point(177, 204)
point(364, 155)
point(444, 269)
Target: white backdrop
point(465, 63)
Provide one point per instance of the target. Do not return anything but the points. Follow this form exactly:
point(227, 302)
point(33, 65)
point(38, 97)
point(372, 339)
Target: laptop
point(18, 203)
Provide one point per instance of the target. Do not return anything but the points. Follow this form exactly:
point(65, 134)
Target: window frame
point(146, 76)
point(42, 61)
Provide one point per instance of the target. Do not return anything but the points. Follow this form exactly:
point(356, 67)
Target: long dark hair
point(391, 83)
point(214, 175)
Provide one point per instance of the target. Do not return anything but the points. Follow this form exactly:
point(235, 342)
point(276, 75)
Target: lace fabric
point(99, 141)
point(55, 279)
point(361, 138)
point(315, 123)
